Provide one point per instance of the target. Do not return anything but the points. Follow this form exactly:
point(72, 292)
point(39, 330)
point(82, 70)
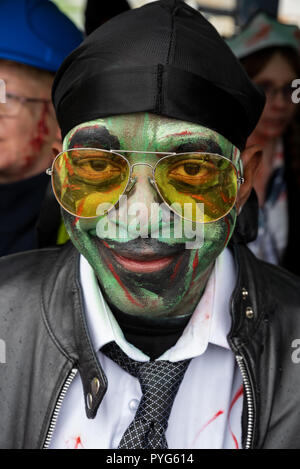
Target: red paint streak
point(176, 268)
point(228, 230)
point(217, 414)
point(180, 134)
point(234, 439)
point(73, 187)
point(79, 212)
point(42, 130)
point(111, 190)
point(78, 442)
point(204, 200)
point(105, 244)
point(238, 394)
point(68, 165)
point(128, 296)
point(263, 32)
point(195, 261)
point(198, 197)
point(195, 265)
point(224, 198)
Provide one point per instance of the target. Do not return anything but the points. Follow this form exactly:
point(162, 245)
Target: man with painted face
point(152, 333)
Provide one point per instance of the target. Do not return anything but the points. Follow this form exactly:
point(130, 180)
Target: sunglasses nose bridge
point(140, 164)
point(133, 179)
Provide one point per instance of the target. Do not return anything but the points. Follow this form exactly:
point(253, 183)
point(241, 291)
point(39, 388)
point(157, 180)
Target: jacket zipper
point(246, 383)
point(249, 399)
point(58, 405)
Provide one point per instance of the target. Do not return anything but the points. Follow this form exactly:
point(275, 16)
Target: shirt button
point(133, 404)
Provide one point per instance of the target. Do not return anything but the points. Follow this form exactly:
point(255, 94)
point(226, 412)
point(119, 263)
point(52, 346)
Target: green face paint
point(151, 276)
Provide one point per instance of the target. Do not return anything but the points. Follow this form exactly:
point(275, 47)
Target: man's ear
point(55, 151)
point(57, 143)
point(251, 159)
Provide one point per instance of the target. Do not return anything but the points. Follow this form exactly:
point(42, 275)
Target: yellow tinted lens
point(87, 182)
point(202, 178)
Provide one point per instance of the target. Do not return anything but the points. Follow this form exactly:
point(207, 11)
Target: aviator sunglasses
point(86, 181)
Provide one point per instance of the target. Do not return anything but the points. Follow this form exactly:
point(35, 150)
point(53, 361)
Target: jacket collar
point(67, 326)
point(249, 299)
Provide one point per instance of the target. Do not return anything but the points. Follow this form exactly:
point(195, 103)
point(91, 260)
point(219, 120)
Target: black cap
point(164, 58)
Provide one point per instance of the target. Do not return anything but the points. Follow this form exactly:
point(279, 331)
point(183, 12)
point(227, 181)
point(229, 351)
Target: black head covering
point(164, 58)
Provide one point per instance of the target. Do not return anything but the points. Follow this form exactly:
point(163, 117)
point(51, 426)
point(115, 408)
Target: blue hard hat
point(36, 33)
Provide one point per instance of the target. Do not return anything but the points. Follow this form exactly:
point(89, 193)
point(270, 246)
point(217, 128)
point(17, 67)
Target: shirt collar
point(210, 322)
point(225, 282)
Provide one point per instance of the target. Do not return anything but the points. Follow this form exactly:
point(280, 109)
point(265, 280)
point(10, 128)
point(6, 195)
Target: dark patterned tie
point(159, 382)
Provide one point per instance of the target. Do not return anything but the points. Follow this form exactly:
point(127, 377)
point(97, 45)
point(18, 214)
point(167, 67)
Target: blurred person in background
point(269, 52)
point(35, 37)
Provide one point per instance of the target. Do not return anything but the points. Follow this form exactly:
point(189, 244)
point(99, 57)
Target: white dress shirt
point(208, 406)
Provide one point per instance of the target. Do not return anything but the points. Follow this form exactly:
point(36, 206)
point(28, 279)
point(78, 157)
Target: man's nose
point(140, 199)
point(143, 190)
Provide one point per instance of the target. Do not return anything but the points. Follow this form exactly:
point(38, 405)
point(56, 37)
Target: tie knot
point(160, 378)
point(159, 381)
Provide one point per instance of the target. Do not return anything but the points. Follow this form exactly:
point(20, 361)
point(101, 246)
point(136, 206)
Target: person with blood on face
point(269, 51)
point(29, 130)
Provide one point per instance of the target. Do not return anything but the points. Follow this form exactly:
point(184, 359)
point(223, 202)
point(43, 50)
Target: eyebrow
point(94, 136)
point(202, 145)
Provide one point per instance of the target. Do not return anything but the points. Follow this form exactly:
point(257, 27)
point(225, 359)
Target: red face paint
point(176, 268)
point(180, 134)
point(228, 230)
point(128, 296)
point(195, 265)
point(80, 208)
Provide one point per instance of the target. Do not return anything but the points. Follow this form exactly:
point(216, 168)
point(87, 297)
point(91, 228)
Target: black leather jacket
point(44, 328)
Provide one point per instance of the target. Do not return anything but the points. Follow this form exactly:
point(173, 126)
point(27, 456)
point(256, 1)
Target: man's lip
point(141, 249)
point(143, 266)
point(142, 255)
